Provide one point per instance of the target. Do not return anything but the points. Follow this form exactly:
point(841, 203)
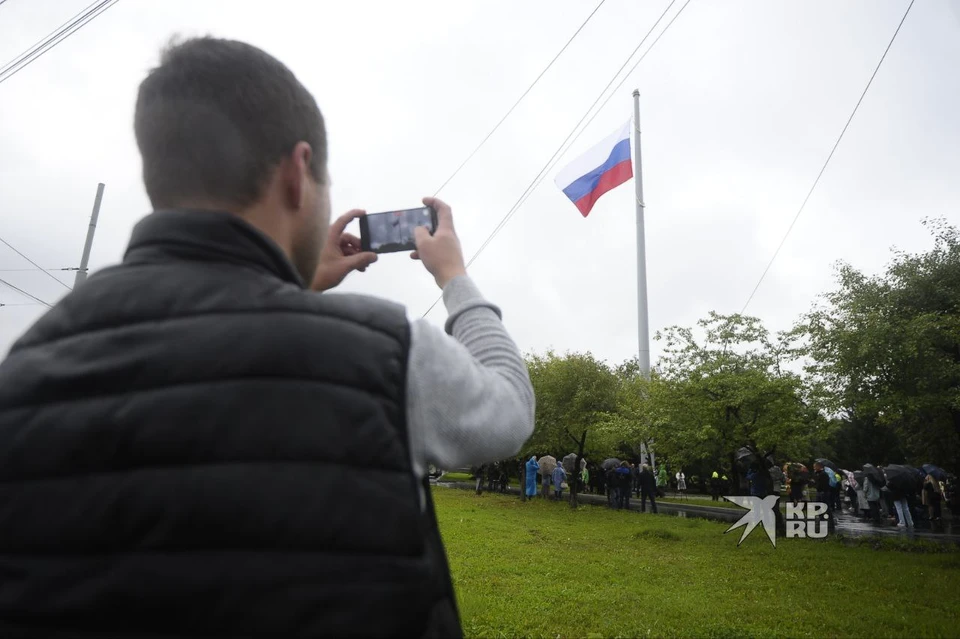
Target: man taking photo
point(194, 443)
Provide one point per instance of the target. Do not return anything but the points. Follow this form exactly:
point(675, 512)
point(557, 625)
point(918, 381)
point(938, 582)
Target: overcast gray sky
point(741, 102)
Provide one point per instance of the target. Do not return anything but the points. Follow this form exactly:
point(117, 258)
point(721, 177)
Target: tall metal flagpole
point(643, 322)
point(643, 328)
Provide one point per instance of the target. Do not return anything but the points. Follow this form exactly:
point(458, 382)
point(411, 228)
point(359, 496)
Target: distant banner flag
point(603, 167)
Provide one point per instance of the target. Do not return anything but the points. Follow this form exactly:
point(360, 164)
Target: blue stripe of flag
point(587, 183)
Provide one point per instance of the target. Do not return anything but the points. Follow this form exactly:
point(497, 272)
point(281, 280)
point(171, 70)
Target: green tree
point(576, 393)
point(627, 431)
point(887, 348)
point(710, 398)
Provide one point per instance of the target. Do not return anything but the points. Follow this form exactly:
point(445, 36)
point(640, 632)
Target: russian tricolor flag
point(603, 167)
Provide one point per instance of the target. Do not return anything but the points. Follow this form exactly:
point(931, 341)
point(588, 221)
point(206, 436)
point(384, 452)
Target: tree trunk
point(523, 481)
point(576, 467)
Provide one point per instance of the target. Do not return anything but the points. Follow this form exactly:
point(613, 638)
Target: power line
point(546, 167)
point(559, 157)
point(23, 292)
point(34, 270)
point(37, 266)
point(829, 157)
point(54, 38)
point(620, 84)
point(52, 35)
point(570, 139)
point(519, 100)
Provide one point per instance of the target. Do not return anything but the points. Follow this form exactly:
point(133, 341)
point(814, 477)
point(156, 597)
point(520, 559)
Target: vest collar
point(208, 236)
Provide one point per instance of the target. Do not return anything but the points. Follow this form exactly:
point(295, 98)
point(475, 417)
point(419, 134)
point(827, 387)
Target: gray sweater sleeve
point(469, 398)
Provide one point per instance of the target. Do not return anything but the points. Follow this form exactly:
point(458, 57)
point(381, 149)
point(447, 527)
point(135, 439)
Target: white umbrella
point(547, 464)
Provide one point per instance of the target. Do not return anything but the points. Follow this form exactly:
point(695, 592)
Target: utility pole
point(85, 258)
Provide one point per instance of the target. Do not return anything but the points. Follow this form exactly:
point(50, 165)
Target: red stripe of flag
point(617, 175)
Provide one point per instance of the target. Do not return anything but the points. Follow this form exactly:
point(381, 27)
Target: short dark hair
point(216, 117)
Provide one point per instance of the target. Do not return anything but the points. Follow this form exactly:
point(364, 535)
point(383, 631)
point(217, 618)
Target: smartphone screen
point(393, 230)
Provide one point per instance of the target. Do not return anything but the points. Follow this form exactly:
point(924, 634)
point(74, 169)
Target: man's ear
point(294, 172)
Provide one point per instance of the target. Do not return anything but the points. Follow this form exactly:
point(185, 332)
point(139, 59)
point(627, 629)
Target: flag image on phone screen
point(392, 231)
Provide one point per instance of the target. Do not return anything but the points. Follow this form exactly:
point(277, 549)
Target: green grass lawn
point(541, 569)
point(704, 500)
point(699, 501)
point(457, 477)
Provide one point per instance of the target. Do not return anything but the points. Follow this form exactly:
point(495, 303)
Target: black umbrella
point(609, 463)
point(769, 461)
point(938, 473)
point(568, 462)
point(918, 477)
point(901, 479)
point(828, 464)
point(874, 473)
point(746, 456)
point(859, 476)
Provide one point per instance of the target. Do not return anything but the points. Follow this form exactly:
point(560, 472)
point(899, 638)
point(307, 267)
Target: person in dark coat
point(623, 479)
point(613, 487)
point(648, 488)
point(478, 474)
point(598, 480)
point(797, 485)
point(932, 495)
point(759, 478)
point(200, 442)
point(821, 482)
point(901, 503)
point(871, 492)
point(715, 486)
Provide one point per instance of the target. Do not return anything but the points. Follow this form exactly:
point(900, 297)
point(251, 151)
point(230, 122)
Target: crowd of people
point(911, 495)
point(895, 494)
point(617, 481)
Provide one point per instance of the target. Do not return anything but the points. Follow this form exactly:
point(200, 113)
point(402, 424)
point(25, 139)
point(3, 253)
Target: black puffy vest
point(191, 445)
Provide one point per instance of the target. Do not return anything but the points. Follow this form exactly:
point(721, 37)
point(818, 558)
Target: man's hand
point(341, 254)
point(440, 253)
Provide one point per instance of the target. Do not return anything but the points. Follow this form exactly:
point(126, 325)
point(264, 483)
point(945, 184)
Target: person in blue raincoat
point(559, 476)
point(532, 469)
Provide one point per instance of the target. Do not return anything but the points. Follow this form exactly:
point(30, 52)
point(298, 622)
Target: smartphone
point(392, 231)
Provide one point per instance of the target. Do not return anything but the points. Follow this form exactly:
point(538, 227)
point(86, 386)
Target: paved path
point(847, 524)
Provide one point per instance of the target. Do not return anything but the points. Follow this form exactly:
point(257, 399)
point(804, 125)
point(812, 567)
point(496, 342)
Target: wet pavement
point(946, 531)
